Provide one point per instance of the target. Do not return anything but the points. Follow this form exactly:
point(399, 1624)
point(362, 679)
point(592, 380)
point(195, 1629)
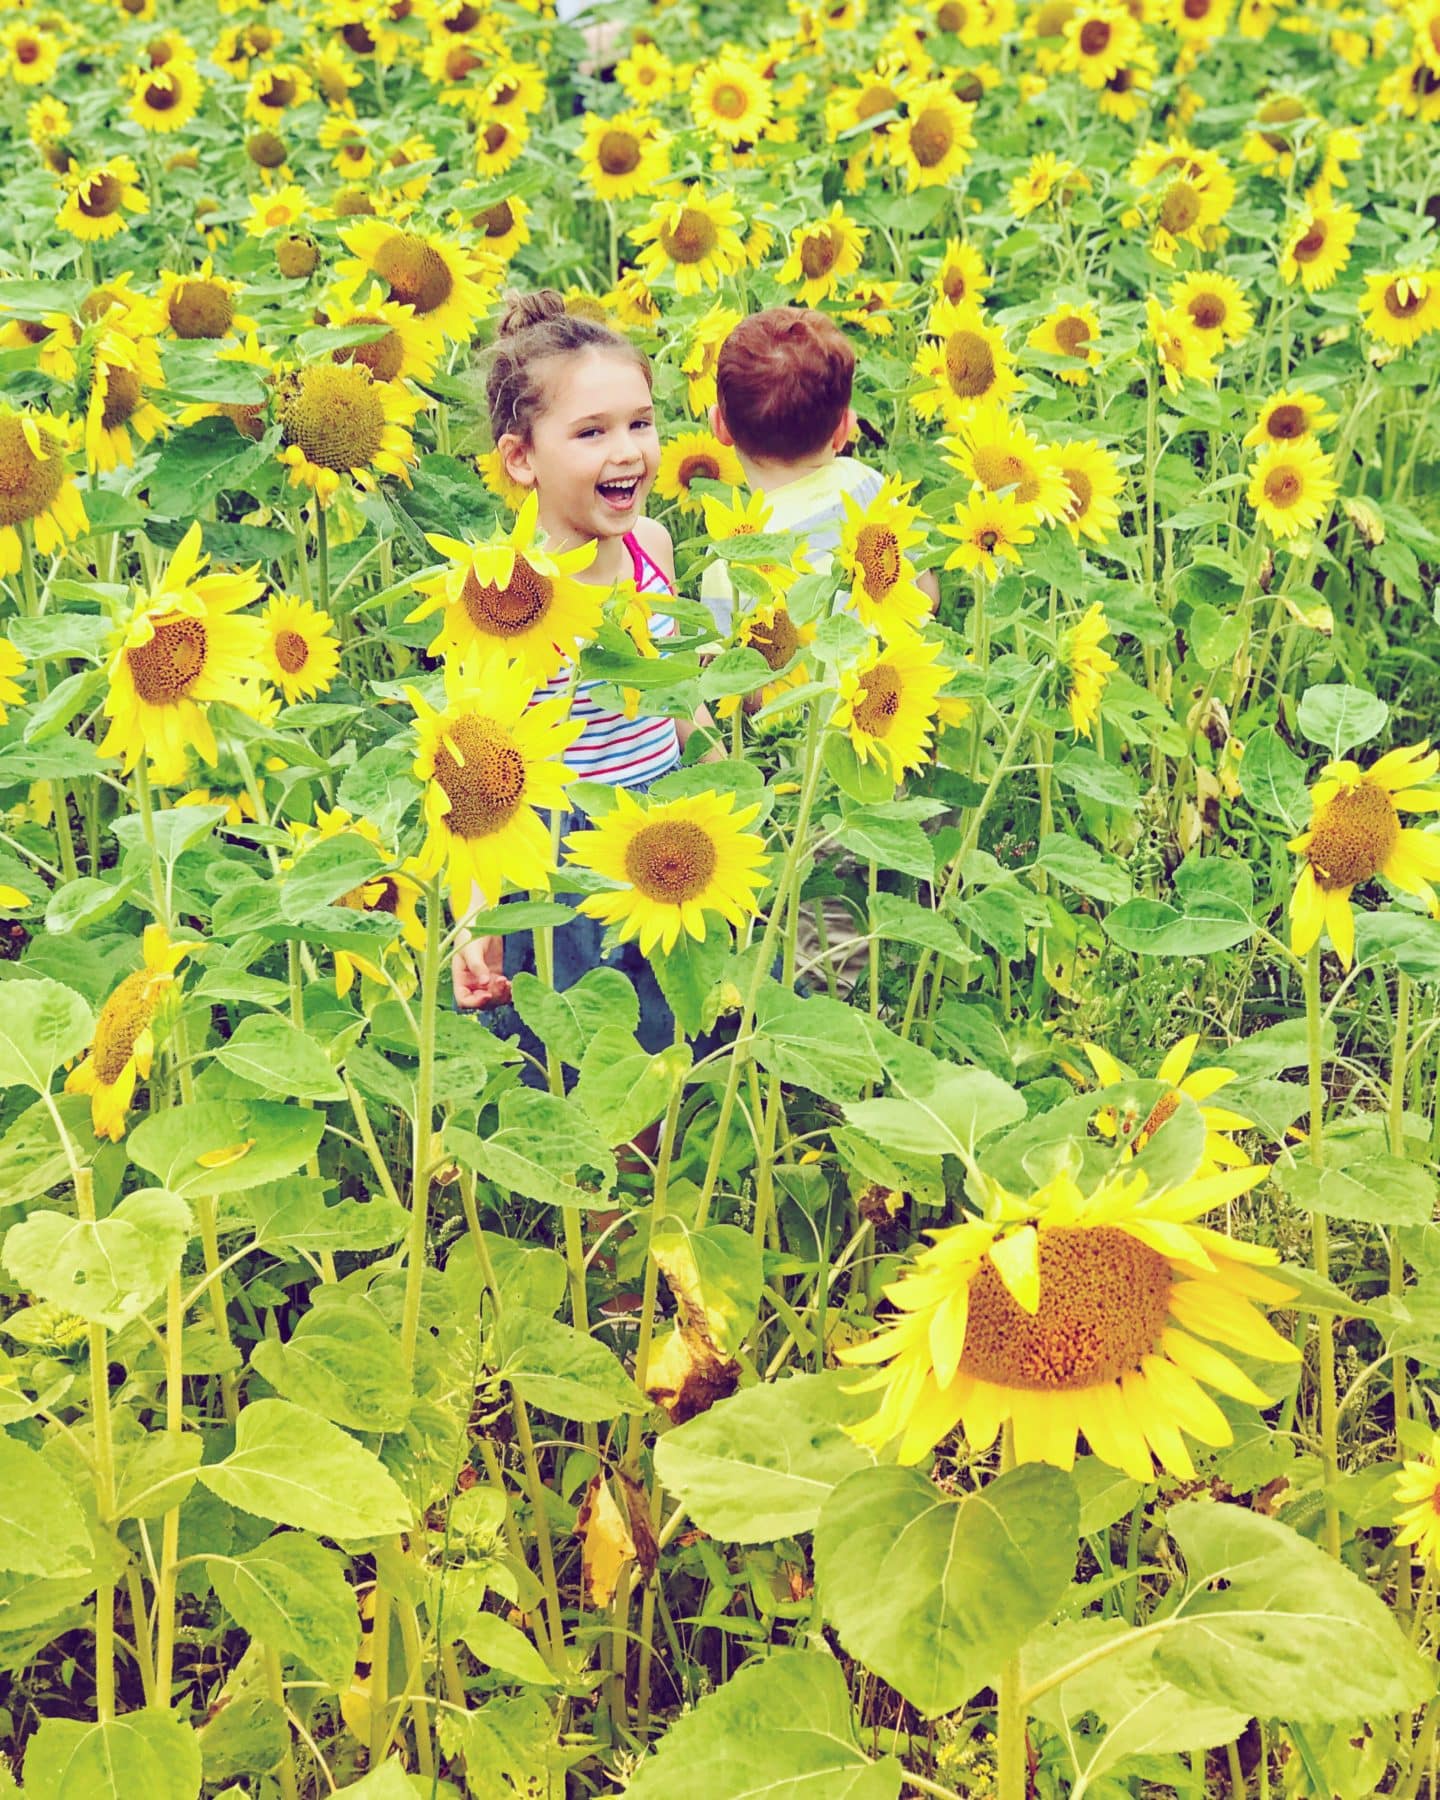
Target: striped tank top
point(624, 752)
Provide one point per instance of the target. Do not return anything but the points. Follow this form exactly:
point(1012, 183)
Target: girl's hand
point(477, 970)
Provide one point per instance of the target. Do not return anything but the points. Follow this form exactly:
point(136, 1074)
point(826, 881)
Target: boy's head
point(782, 385)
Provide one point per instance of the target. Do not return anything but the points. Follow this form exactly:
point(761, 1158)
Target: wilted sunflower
point(1072, 333)
point(97, 200)
point(300, 654)
point(1219, 1151)
point(124, 1046)
point(677, 861)
point(1317, 246)
point(933, 142)
point(622, 156)
point(1292, 487)
point(36, 486)
point(822, 255)
point(488, 761)
point(1417, 1494)
point(692, 456)
point(336, 420)
point(968, 367)
point(1088, 668)
point(407, 350)
point(730, 101)
point(1400, 308)
point(201, 305)
point(1215, 305)
point(124, 372)
point(513, 595)
point(1287, 418)
point(692, 240)
point(429, 273)
point(991, 530)
point(395, 893)
point(1094, 479)
point(1065, 1314)
point(183, 649)
point(1355, 835)
point(874, 540)
point(889, 702)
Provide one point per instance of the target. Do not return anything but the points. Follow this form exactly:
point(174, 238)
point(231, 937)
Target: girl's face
point(594, 449)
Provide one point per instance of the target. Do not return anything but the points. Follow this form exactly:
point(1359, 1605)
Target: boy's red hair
point(783, 380)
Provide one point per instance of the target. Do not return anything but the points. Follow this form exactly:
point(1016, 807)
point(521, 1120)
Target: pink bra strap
point(641, 563)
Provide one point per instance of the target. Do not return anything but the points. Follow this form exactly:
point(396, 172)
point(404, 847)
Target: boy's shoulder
point(852, 476)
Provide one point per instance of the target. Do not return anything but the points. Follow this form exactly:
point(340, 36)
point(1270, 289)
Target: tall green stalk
point(1320, 1241)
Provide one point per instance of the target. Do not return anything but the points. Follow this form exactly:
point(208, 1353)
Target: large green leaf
point(1340, 717)
point(565, 1022)
point(542, 1144)
point(759, 1465)
point(782, 1729)
point(963, 1106)
point(1272, 779)
point(933, 1594)
point(817, 1043)
point(499, 1645)
point(1272, 1625)
point(32, 1157)
point(298, 1469)
point(561, 1369)
point(508, 1745)
point(340, 1361)
point(1155, 928)
point(42, 1529)
point(292, 1213)
point(225, 1146)
point(290, 1593)
point(42, 1025)
point(148, 1755)
point(1373, 1187)
point(280, 1059)
point(623, 1087)
point(108, 1270)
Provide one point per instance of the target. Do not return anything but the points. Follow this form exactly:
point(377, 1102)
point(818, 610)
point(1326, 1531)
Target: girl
point(573, 417)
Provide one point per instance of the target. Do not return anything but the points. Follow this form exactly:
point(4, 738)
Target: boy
point(783, 381)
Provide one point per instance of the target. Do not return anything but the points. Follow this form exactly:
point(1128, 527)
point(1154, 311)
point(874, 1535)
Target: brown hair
point(783, 381)
point(534, 328)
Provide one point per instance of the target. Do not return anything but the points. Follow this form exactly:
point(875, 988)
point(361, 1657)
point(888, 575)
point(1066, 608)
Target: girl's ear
point(515, 459)
point(845, 430)
point(720, 428)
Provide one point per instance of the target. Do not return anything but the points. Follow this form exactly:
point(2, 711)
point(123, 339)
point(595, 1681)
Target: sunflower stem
point(322, 554)
point(421, 1140)
point(60, 793)
point(1399, 1371)
point(104, 1469)
point(1320, 1240)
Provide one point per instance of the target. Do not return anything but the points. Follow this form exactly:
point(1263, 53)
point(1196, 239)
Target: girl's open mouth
point(619, 495)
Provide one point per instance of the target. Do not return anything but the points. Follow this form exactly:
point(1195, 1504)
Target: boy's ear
point(720, 428)
point(515, 459)
point(845, 430)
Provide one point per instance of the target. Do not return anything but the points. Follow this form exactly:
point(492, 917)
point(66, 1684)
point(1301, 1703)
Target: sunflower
point(622, 156)
point(967, 368)
point(1292, 487)
point(996, 452)
point(275, 90)
point(429, 273)
point(500, 227)
point(874, 540)
point(1065, 1314)
point(746, 516)
point(490, 466)
point(1183, 353)
point(1099, 40)
point(1317, 245)
point(933, 142)
point(1287, 418)
point(511, 595)
point(395, 892)
point(354, 154)
point(166, 99)
point(514, 91)
point(1414, 88)
point(1125, 95)
point(499, 144)
point(12, 663)
point(1282, 122)
point(1069, 332)
point(823, 254)
point(336, 420)
point(693, 240)
point(1401, 307)
point(281, 211)
point(202, 304)
point(31, 56)
point(769, 629)
point(407, 350)
point(869, 305)
point(873, 106)
point(1094, 479)
point(183, 648)
point(1417, 1493)
point(300, 654)
point(962, 275)
point(646, 73)
point(889, 702)
point(1215, 306)
point(730, 102)
point(36, 487)
point(97, 200)
point(1188, 193)
point(414, 150)
point(702, 354)
point(488, 761)
point(53, 336)
point(1198, 21)
point(1219, 1151)
point(48, 120)
point(695, 455)
point(990, 530)
point(1355, 835)
point(124, 1045)
point(1047, 177)
point(1088, 668)
point(124, 372)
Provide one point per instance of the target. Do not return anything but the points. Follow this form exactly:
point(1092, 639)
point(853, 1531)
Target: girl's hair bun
point(524, 310)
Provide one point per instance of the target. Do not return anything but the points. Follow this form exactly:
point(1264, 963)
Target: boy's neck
point(765, 474)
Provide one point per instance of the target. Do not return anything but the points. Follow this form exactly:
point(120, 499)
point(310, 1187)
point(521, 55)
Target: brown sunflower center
point(461, 61)
point(697, 466)
point(1196, 10)
point(1354, 836)
point(819, 252)
point(1309, 246)
point(33, 331)
point(358, 38)
point(464, 18)
point(1164, 1108)
point(618, 153)
point(160, 96)
point(102, 195)
point(969, 364)
point(1121, 81)
point(384, 356)
point(1082, 491)
point(996, 469)
point(495, 221)
point(1072, 334)
point(968, 87)
point(266, 149)
point(28, 483)
point(730, 100)
point(1104, 1301)
point(691, 238)
point(122, 1018)
point(495, 136)
point(1401, 306)
point(416, 271)
point(878, 557)
point(954, 284)
point(1180, 208)
point(165, 669)
point(123, 394)
point(1207, 312)
point(201, 309)
point(27, 50)
point(1284, 485)
point(512, 610)
point(297, 256)
point(354, 203)
point(291, 651)
point(874, 100)
point(485, 784)
point(882, 690)
point(671, 861)
point(336, 416)
point(953, 17)
point(1286, 422)
point(777, 638)
point(932, 137)
point(1095, 37)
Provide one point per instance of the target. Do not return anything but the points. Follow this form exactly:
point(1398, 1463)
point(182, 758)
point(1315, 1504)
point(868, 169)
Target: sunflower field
point(994, 1349)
